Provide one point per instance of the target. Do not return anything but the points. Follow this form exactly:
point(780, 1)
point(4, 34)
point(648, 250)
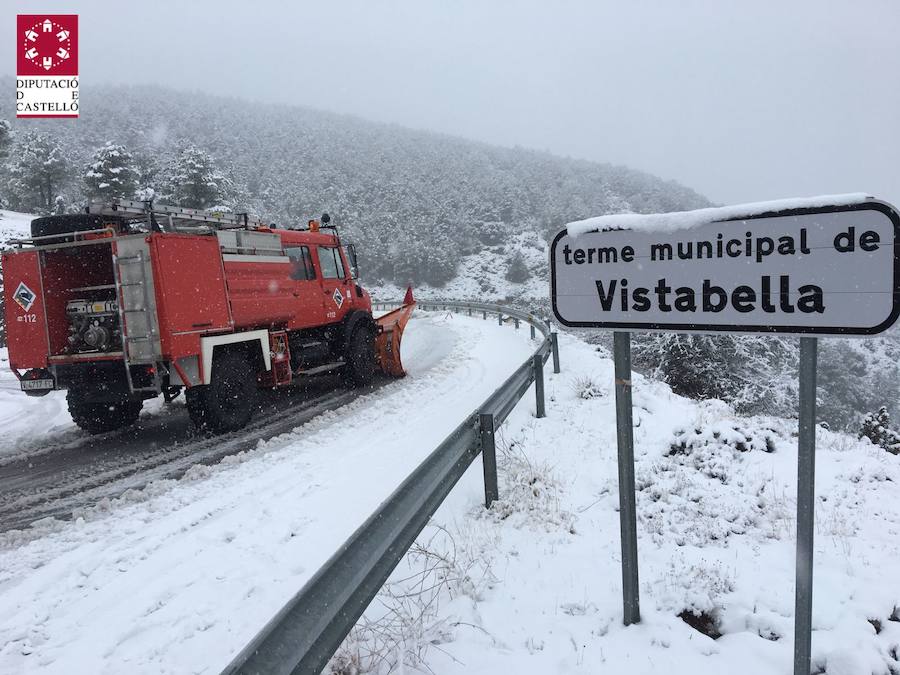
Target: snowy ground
point(14, 224)
point(28, 422)
point(179, 576)
point(534, 585)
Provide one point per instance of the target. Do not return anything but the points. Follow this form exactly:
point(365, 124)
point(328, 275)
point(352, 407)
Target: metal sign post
point(806, 494)
point(627, 510)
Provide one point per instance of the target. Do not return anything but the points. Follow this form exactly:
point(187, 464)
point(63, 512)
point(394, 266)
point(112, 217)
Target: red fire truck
point(131, 300)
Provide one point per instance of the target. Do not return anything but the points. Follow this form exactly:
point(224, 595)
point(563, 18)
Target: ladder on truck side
point(167, 218)
point(135, 290)
point(136, 298)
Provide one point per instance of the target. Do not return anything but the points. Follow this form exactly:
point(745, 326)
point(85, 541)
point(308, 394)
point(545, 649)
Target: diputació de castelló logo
point(47, 65)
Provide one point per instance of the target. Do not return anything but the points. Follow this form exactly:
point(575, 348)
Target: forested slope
point(416, 201)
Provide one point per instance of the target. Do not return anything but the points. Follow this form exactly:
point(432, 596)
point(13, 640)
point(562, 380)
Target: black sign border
point(868, 205)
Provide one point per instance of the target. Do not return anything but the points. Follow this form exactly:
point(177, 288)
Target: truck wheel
point(360, 357)
point(98, 417)
point(226, 403)
point(71, 222)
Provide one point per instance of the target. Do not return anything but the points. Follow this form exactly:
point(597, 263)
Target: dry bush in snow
point(586, 387)
point(440, 566)
point(529, 492)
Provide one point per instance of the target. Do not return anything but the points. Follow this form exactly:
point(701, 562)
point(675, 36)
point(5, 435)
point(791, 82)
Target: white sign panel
point(830, 270)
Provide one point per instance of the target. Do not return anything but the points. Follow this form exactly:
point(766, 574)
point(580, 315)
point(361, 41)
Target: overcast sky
point(741, 100)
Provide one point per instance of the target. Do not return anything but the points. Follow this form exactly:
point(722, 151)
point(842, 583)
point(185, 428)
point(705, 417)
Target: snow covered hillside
point(177, 577)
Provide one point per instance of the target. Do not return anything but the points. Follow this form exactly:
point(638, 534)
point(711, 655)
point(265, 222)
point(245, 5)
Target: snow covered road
point(60, 475)
point(178, 576)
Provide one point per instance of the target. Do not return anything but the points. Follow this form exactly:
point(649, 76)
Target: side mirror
point(325, 219)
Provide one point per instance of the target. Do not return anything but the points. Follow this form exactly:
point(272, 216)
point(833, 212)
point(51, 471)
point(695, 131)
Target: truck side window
point(301, 263)
point(331, 263)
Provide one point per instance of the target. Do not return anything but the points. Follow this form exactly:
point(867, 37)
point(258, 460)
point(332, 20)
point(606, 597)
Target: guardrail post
point(516, 322)
point(484, 315)
point(499, 318)
point(539, 385)
point(532, 331)
point(489, 459)
point(468, 311)
point(554, 346)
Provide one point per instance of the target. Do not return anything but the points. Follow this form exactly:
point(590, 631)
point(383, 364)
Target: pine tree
point(518, 271)
point(38, 173)
point(196, 182)
point(111, 173)
point(876, 426)
point(5, 143)
point(5, 138)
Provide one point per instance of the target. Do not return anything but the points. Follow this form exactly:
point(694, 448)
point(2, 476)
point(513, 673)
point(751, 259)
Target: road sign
point(828, 269)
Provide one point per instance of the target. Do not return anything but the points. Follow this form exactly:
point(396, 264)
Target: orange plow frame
point(390, 333)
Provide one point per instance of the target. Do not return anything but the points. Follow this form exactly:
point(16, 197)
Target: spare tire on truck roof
point(71, 222)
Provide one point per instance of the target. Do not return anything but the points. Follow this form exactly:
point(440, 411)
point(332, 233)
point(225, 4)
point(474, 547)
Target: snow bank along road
point(179, 575)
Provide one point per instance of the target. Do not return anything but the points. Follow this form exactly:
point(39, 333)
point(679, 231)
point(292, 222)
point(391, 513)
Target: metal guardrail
point(308, 630)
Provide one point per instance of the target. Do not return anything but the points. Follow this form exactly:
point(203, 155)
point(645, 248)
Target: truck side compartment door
point(27, 331)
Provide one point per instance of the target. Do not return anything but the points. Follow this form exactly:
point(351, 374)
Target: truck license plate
point(30, 385)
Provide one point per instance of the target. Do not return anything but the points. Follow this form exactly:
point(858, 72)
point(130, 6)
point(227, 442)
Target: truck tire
point(226, 403)
point(74, 222)
point(99, 417)
point(359, 368)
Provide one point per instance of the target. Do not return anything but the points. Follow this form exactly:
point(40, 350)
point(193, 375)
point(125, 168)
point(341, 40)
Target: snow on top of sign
point(682, 220)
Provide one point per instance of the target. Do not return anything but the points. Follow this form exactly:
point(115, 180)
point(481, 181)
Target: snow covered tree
point(518, 271)
point(196, 182)
point(753, 373)
point(695, 366)
point(420, 260)
point(5, 138)
point(876, 426)
point(38, 173)
point(110, 173)
point(5, 143)
point(492, 232)
point(849, 386)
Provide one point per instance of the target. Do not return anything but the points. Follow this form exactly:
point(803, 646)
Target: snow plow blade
point(390, 333)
